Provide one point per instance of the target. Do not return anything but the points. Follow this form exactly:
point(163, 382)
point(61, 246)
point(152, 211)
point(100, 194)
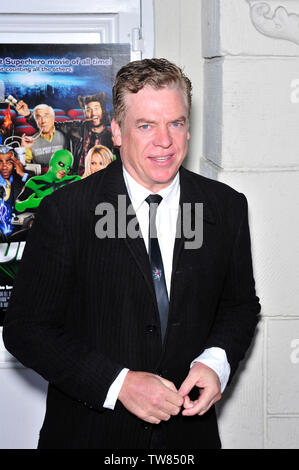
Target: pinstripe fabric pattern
point(82, 308)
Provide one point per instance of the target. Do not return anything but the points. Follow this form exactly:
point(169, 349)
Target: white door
point(76, 21)
point(23, 392)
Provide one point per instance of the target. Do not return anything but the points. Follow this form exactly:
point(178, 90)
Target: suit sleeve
point(69, 126)
point(34, 328)
point(239, 307)
point(30, 119)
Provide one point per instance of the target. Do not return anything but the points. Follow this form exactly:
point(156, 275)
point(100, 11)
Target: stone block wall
point(251, 142)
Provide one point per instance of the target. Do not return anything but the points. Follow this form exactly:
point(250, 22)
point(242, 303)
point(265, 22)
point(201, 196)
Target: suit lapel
point(113, 190)
point(190, 192)
point(112, 187)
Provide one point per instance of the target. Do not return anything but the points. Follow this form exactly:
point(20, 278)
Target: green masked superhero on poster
point(40, 186)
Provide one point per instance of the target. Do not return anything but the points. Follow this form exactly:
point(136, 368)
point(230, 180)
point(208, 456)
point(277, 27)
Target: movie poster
point(55, 114)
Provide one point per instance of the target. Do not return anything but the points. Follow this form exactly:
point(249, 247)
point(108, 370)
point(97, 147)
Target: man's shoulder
point(17, 181)
point(210, 186)
point(221, 202)
point(80, 193)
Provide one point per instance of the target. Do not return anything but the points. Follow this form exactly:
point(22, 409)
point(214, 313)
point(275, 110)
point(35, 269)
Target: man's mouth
point(61, 174)
point(162, 159)
point(95, 121)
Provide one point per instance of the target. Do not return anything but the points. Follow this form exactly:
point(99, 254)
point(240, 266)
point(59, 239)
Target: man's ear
point(116, 133)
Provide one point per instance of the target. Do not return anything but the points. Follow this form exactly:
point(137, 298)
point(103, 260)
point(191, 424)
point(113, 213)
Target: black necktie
point(156, 262)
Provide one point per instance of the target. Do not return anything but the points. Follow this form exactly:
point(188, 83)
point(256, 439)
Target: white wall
point(251, 142)
point(178, 38)
point(22, 404)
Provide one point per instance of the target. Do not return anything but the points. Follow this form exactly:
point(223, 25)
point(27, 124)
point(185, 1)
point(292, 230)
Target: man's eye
point(61, 164)
point(144, 126)
point(177, 124)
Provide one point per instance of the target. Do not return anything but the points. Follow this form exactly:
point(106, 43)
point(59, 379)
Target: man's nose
point(163, 137)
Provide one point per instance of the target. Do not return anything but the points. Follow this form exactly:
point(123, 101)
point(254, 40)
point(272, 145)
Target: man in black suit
point(13, 177)
point(12, 174)
point(137, 337)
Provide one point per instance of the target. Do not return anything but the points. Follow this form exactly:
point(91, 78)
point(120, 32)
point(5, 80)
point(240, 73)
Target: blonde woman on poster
point(97, 159)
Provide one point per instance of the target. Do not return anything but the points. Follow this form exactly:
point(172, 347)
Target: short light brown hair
point(157, 73)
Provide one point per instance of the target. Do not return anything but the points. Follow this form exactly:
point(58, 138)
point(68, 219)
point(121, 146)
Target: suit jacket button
point(150, 328)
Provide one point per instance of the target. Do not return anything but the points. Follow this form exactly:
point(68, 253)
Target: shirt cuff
point(216, 359)
point(114, 389)
point(25, 177)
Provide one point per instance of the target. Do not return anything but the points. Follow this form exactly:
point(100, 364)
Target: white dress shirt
point(166, 220)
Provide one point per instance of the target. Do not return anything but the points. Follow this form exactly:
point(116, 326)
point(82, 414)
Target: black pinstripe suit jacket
point(83, 308)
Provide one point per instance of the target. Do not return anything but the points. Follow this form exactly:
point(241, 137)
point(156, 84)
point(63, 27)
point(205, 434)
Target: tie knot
point(154, 199)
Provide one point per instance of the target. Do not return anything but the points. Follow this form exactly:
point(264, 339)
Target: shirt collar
point(3, 180)
point(138, 193)
point(50, 136)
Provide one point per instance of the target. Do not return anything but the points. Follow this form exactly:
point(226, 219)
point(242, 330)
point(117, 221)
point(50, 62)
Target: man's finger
point(202, 404)
point(187, 402)
point(173, 398)
point(162, 415)
point(147, 395)
point(187, 385)
point(168, 384)
point(152, 420)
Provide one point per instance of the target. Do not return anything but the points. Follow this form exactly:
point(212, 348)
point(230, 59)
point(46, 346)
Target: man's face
point(94, 112)
point(6, 165)
point(60, 164)
point(63, 171)
point(154, 135)
point(45, 120)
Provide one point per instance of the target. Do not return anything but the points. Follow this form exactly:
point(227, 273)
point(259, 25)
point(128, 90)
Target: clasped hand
point(154, 399)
